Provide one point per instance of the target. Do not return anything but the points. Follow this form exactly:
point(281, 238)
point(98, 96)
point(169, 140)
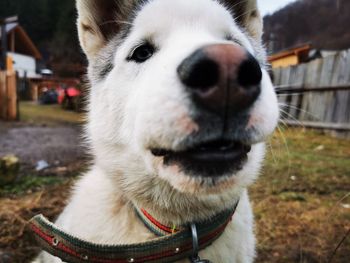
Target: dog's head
point(180, 101)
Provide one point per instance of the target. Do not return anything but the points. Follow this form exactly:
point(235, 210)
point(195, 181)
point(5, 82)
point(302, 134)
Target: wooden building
point(22, 54)
point(21, 64)
point(290, 57)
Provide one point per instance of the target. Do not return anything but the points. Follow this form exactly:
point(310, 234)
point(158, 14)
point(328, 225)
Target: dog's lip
point(217, 150)
point(212, 159)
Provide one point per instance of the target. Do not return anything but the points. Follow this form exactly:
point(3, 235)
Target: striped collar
point(155, 226)
point(173, 243)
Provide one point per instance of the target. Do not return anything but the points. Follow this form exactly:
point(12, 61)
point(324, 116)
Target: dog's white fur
point(137, 107)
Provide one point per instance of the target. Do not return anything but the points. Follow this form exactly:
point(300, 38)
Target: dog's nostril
point(249, 73)
point(221, 78)
point(199, 72)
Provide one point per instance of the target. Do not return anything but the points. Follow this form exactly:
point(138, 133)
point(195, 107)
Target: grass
point(48, 114)
point(16, 239)
point(301, 199)
point(30, 183)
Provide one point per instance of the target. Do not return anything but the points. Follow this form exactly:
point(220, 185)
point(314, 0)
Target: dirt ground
point(301, 201)
point(45, 133)
point(33, 143)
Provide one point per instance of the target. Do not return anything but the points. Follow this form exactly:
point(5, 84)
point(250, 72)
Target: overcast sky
point(269, 6)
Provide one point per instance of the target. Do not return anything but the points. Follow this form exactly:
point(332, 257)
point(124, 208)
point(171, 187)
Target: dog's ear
point(97, 22)
point(247, 15)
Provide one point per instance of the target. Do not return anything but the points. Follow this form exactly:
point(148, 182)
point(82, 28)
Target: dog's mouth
point(210, 159)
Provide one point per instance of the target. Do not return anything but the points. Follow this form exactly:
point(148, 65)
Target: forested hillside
point(324, 23)
point(50, 24)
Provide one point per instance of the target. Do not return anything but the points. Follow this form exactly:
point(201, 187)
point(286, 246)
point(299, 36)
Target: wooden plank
point(3, 97)
point(283, 81)
point(276, 76)
point(341, 102)
point(287, 90)
point(334, 84)
point(295, 103)
point(11, 96)
point(291, 81)
point(319, 125)
point(347, 103)
point(325, 99)
point(325, 88)
point(341, 112)
point(34, 88)
point(311, 80)
point(342, 76)
point(284, 78)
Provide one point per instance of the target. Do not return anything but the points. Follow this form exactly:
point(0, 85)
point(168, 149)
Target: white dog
point(179, 107)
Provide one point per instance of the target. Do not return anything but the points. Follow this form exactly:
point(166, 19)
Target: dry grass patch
point(300, 202)
point(302, 199)
point(16, 241)
point(48, 114)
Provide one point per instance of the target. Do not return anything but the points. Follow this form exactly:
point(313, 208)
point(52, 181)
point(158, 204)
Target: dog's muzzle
point(224, 82)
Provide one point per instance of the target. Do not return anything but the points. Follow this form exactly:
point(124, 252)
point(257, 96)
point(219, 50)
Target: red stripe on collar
point(169, 230)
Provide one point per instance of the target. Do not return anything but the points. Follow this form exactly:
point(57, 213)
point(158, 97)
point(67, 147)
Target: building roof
point(10, 27)
point(291, 51)
point(24, 45)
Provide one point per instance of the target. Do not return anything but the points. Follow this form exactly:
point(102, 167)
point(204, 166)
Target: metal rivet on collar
point(84, 257)
point(55, 242)
point(131, 260)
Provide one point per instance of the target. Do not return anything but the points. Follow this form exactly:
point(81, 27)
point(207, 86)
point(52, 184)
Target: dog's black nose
point(222, 77)
point(199, 72)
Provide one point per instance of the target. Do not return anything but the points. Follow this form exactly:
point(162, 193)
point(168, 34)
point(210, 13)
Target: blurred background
point(302, 199)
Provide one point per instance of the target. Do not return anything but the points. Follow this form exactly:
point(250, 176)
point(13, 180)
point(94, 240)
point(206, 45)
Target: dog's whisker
point(115, 22)
point(240, 3)
point(284, 123)
point(287, 150)
point(289, 94)
point(272, 151)
point(288, 115)
point(339, 245)
point(245, 13)
point(304, 111)
point(298, 109)
point(295, 85)
point(337, 204)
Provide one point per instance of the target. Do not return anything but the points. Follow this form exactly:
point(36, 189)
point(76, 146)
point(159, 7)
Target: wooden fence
point(8, 96)
point(317, 94)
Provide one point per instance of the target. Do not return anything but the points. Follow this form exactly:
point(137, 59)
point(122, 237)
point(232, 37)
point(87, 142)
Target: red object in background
point(60, 93)
point(68, 93)
point(73, 92)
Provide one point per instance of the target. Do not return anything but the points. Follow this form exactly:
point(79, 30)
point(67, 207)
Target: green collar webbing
point(169, 248)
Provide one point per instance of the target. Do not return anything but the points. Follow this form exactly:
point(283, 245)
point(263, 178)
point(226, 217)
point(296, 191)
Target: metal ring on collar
point(195, 243)
point(195, 258)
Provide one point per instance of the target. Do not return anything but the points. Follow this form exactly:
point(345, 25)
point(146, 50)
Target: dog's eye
point(142, 53)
